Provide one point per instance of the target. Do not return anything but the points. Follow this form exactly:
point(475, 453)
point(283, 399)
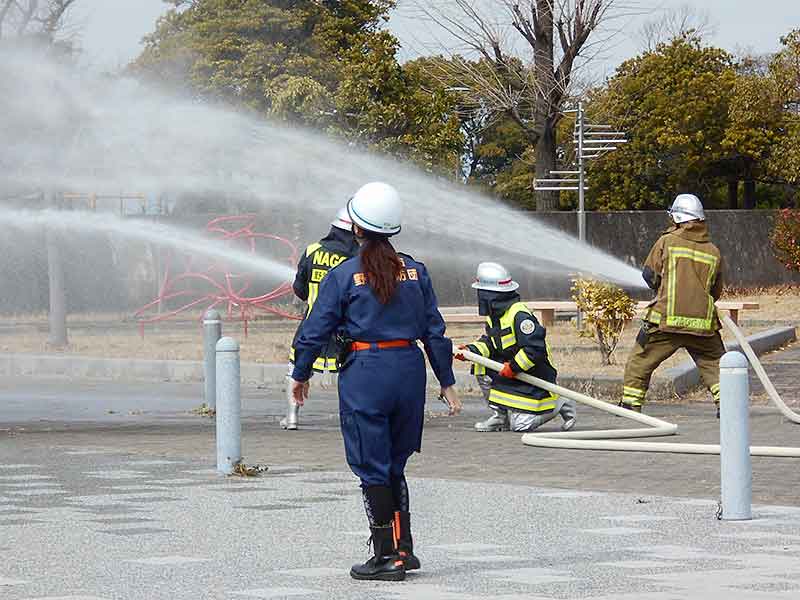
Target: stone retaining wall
point(121, 277)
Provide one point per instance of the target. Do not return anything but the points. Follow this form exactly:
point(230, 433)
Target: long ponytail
point(382, 266)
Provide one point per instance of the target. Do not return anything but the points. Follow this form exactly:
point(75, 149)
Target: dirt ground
point(115, 336)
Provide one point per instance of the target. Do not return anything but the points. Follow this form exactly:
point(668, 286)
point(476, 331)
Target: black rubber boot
point(717, 405)
point(386, 565)
point(634, 407)
point(405, 543)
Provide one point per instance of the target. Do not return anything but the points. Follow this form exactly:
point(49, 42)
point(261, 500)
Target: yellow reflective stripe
point(715, 391)
point(523, 361)
point(671, 268)
point(482, 348)
point(507, 320)
point(325, 364)
point(523, 402)
point(320, 364)
point(696, 255)
point(635, 392)
point(512, 312)
point(654, 316)
point(313, 248)
point(549, 356)
point(690, 323)
point(478, 370)
point(633, 396)
point(508, 340)
point(313, 293)
point(673, 319)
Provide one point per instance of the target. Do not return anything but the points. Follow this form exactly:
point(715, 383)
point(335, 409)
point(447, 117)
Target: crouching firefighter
point(515, 338)
point(314, 265)
point(384, 303)
point(684, 269)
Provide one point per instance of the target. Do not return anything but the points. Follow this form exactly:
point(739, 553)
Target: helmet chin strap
point(359, 234)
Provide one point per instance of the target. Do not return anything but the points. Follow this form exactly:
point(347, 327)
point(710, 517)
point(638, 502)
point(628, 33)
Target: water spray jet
point(119, 131)
point(158, 234)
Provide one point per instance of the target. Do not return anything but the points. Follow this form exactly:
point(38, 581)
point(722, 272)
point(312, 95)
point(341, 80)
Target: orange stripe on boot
point(397, 529)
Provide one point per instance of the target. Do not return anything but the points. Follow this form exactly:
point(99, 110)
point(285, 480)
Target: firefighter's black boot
point(405, 543)
point(633, 407)
point(386, 565)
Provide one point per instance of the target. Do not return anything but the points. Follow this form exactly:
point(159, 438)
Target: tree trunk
point(749, 194)
point(733, 194)
point(546, 162)
point(58, 293)
point(547, 102)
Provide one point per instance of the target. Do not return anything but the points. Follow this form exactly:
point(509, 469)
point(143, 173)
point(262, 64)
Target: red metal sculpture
point(218, 285)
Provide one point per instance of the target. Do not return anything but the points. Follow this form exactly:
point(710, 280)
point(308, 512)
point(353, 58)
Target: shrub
point(786, 238)
point(606, 309)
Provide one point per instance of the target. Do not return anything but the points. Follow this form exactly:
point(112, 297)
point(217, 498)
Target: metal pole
point(581, 177)
point(212, 331)
point(229, 409)
point(57, 316)
point(581, 183)
point(736, 475)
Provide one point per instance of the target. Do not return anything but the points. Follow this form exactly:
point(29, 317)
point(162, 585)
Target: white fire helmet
point(376, 207)
point(494, 277)
point(342, 220)
point(687, 207)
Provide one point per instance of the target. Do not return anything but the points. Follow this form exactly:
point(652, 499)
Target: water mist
point(73, 131)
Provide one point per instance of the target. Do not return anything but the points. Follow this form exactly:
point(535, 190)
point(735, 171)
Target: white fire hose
point(762, 374)
point(606, 439)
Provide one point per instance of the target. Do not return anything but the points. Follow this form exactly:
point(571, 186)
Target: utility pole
point(580, 127)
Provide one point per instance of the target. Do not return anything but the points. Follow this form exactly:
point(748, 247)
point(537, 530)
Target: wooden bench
point(545, 310)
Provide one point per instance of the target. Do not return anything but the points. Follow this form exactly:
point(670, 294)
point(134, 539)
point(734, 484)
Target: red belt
point(356, 346)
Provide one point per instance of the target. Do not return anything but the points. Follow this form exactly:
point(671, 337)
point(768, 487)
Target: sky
point(112, 29)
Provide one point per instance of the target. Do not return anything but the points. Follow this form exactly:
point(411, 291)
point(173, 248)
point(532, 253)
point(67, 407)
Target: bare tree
point(528, 58)
point(34, 17)
point(675, 23)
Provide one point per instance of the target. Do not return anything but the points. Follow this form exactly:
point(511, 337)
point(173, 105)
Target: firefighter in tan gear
point(685, 270)
point(515, 338)
point(315, 263)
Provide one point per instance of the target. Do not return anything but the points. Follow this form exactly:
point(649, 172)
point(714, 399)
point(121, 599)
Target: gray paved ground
point(784, 371)
point(105, 524)
point(107, 492)
point(155, 419)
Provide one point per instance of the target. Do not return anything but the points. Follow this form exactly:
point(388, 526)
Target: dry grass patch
point(108, 335)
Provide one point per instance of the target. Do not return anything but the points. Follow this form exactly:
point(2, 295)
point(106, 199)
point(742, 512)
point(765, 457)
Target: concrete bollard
point(736, 475)
point(229, 407)
point(212, 331)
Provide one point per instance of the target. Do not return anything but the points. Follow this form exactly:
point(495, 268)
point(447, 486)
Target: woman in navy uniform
point(383, 302)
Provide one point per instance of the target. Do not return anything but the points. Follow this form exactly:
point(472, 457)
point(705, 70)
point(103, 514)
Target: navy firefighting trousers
point(382, 411)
